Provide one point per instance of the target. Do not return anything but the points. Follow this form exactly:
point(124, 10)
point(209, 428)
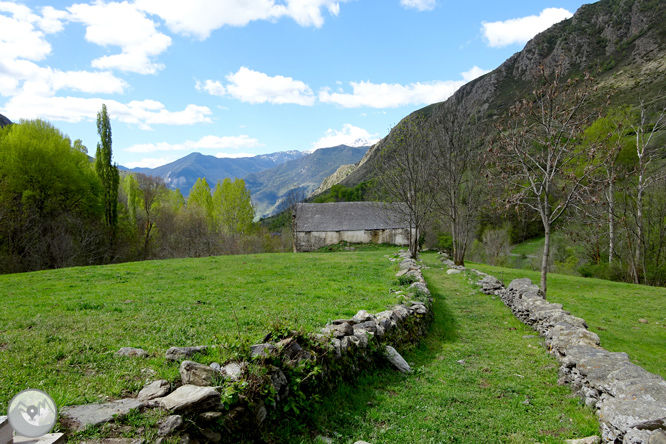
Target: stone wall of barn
point(313, 240)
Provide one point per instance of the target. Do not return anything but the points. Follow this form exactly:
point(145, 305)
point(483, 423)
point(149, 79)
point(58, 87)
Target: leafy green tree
point(49, 199)
point(233, 208)
point(106, 171)
point(612, 131)
point(200, 200)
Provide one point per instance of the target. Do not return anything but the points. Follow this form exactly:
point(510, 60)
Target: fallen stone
point(210, 416)
point(362, 316)
point(233, 370)
point(400, 312)
point(211, 436)
point(370, 326)
point(658, 437)
point(155, 389)
point(362, 336)
point(198, 374)
point(260, 413)
point(643, 321)
point(408, 264)
point(78, 417)
point(262, 350)
point(589, 440)
point(338, 330)
point(49, 438)
point(398, 361)
point(190, 397)
point(180, 353)
point(324, 439)
point(562, 336)
point(216, 366)
point(132, 352)
point(170, 425)
point(452, 271)
point(279, 383)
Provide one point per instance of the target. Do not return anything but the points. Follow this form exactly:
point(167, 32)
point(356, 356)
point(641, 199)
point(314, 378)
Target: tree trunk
point(611, 221)
point(544, 260)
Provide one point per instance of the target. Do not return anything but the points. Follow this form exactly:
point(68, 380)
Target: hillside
point(622, 41)
point(304, 174)
point(4, 121)
point(184, 172)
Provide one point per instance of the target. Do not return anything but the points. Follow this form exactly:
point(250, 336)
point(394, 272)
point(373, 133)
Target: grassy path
point(613, 310)
point(477, 379)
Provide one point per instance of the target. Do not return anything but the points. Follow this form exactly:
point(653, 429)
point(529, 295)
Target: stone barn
point(319, 224)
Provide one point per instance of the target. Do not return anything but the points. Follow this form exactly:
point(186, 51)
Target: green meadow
point(60, 329)
point(613, 311)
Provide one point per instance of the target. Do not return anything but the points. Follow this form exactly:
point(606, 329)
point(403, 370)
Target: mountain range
point(269, 177)
point(4, 121)
point(184, 172)
point(621, 43)
point(303, 175)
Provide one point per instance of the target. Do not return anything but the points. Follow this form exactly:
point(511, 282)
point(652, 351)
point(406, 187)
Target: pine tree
point(107, 172)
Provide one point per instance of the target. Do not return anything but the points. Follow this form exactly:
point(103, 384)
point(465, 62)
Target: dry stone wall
point(215, 403)
point(629, 401)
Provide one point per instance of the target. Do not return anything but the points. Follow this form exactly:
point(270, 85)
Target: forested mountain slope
point(622, 43)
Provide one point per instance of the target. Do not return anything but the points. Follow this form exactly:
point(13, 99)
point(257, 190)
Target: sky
point(234, 78)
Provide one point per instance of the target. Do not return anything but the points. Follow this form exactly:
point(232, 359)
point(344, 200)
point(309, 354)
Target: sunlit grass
point(612, 310)
point(60, 329)
point(480, 376)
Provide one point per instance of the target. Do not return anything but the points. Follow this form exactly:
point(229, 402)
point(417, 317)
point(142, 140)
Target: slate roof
point(347, 216)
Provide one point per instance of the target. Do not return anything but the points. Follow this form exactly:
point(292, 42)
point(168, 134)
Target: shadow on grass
point(349, 405)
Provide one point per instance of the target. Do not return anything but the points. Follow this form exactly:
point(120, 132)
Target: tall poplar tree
point(106, 171)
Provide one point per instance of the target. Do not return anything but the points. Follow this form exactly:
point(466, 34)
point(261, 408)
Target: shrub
point(406, 279)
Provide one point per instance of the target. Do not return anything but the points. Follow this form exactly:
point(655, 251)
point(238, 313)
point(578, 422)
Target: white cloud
point(349, 135)
point(521, 30)
point(23, 33)
point(384, 95)
point(474, 73)
point(254, 87)
point(47, 81)
point(74, 109)
point(123, 25)
point(150, 162)
point(421, 5)
point(201, 17)
point(233, 155)
point(214, 88)
point(205, 143)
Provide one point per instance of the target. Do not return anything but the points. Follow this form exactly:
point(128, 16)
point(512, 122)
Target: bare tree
point(150, 189)
point(647, 172)
point(456, 147)
point(405, 172)
point(538, 157)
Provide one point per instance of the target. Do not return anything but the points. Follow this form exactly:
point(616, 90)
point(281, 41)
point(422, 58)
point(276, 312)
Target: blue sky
point(246, 77)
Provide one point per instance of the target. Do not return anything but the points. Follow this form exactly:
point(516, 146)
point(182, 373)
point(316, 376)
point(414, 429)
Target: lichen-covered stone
point(198, 374)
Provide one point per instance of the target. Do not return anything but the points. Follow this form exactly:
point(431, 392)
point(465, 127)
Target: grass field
point(477, 379)
point(60, 329)
point(612, 310)
point(531, 247)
